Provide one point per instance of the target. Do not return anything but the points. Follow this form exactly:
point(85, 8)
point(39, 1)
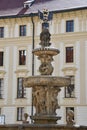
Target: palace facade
point(20, 28)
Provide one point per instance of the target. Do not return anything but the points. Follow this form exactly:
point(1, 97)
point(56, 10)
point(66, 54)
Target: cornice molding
point(72, 36)
point(2, 73)
point(69, 70)
point(21, 72)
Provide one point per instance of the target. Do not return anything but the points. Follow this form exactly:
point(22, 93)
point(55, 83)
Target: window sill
point(69, 97)
point(19, 120)
point(21, 98)
point(1, 98)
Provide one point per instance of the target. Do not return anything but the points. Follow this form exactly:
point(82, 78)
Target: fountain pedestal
point(45, 119)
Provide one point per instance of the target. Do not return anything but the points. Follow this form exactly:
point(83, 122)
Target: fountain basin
point(46, 50)
point(46, 119)
point(43, 80)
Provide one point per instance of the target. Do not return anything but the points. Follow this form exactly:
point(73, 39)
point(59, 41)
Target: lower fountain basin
point(45, 81)
point(46, 119)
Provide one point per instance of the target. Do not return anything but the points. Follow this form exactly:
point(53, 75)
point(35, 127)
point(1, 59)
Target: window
point(22, 57)
point(0, 111)
point(2, 119)
point(22, 30)
point(69, 54)
point(20, 113)
point(45, 25)
point(69, 112)
point(20, 89)
point(1, 32)
point(70, 26)
point(1, 58)
point(1, 88)
point(70, 90)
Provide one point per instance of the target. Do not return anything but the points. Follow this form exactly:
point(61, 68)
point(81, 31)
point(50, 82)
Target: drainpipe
point(32, 44)
point(32, 59)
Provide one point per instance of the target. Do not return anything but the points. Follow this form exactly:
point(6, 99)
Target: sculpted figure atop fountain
point(45, 38)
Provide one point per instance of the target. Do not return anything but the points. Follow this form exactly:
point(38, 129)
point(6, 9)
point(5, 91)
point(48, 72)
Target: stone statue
point(55, 100)
point(46, 69)
point(45, 38)
point(25, 118)
point(70, 116)
point(39, 96)
point(46, 66)
point(45, 103)
point(45, 58)
point(52, 102)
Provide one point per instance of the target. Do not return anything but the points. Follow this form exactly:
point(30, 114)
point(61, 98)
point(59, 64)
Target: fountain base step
point(46, 119)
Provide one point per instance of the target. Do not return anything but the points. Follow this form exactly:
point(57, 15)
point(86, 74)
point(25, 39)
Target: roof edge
point(36, 14)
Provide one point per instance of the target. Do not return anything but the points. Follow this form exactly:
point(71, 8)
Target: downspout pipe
point(33, 33)
point(32, 43)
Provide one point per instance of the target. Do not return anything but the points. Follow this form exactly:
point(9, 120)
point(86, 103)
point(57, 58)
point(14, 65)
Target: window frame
point(45, 25)
point(22, 30)
point(22, 57)
point(1, 58)
point(70, 26)
point(67, 88)
point(1, 87)
point(70, 108)
point(69, 54)
point(0, 110)
point(20, 113)
point(21, 92)
point(1, 32)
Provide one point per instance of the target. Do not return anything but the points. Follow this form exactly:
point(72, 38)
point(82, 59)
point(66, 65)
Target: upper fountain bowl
point(49, 51)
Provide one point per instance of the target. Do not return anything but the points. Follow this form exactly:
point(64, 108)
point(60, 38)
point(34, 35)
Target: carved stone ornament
point(45, 100)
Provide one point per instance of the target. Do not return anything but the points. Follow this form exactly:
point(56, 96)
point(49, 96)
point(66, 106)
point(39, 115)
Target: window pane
point(20, 88)
point(1, 87)
point(70, 26)
point(1, 58)
point(20, 113)
point(23, 30)
point(69, 54)
point(22, 57)
point(1, 32)
point(45, 25)
point(0, 111)
point(70, 90)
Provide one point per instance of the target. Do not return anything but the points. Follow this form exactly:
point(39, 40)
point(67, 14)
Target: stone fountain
point(45, 87)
